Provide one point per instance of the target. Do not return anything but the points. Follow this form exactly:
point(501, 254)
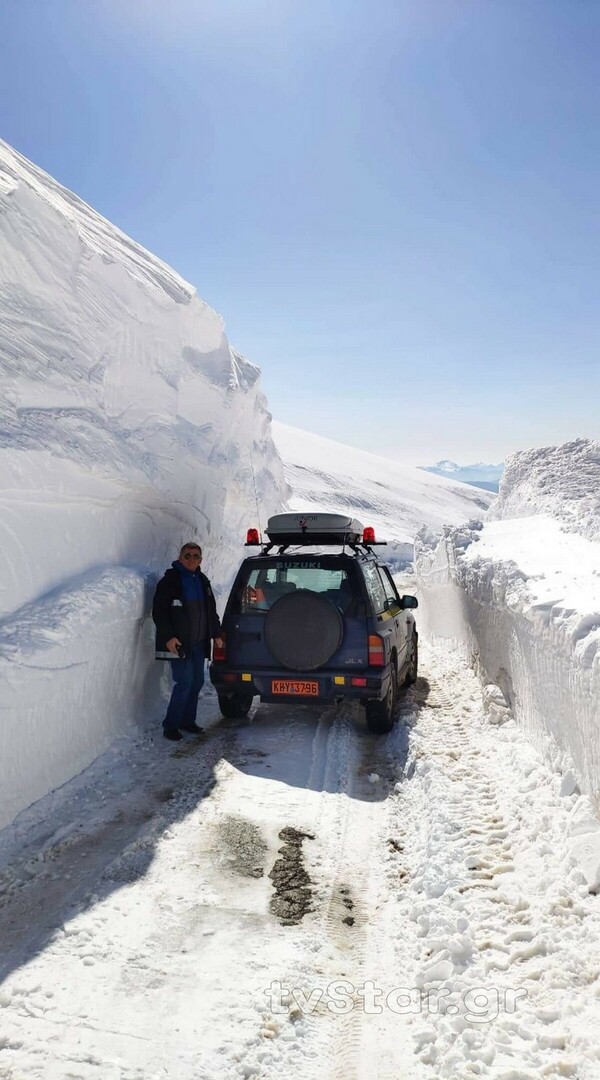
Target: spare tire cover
point(303, 630)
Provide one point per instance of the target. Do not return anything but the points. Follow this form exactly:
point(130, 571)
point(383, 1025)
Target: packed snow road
point(292, 896)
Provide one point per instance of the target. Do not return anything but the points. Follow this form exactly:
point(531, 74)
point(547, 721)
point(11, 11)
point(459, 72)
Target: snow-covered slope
point(524, 593)
point(396, 499)
point(127, 425)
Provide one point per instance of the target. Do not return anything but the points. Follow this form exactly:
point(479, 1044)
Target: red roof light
point(252, 536)
point(369, 535)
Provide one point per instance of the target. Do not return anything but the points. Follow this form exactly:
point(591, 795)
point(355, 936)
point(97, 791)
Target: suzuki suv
point(316, 619)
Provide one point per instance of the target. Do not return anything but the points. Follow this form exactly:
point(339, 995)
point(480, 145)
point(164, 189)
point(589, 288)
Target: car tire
point(413, 663)
point(235, 707)
point(381, 714)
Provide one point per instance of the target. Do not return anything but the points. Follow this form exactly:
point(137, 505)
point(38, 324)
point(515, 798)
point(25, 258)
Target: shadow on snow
point(47, 883)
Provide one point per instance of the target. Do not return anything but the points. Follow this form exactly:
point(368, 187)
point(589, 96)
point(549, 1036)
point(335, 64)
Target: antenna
point(350, 517)
point(255, 492)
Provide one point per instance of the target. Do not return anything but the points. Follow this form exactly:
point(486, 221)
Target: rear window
point(263, 585)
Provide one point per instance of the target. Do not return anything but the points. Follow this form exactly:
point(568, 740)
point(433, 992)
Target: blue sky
point(394, 204)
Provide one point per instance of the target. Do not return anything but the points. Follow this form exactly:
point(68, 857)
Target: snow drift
point(396, 499)
point(523, 593)
point(559, 480)
point(128, 425)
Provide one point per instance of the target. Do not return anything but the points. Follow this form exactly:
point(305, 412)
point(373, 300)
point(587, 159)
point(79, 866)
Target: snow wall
point(541, 650)
point(128, 425)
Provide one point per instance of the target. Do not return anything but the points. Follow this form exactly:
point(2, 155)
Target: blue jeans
point(188, 680)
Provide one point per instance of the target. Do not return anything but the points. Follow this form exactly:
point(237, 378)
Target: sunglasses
point(192, 555)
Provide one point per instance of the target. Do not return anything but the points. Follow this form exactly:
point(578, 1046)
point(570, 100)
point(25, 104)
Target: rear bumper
point(325, 686)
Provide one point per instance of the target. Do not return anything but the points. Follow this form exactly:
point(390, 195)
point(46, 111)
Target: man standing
point(186, 619)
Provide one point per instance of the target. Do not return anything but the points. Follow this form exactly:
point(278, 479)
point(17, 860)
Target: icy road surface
point(293, 897)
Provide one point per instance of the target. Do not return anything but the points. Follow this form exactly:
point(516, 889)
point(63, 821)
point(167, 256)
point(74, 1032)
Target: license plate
point(298, 687)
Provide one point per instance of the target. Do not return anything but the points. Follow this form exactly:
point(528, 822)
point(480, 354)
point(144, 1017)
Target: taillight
point(220, 651)
point(376, 651)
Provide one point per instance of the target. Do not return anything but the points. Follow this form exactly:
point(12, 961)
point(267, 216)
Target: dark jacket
point(170, 614)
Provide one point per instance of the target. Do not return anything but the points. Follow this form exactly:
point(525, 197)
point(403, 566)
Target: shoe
point(193, 729)
point(172, 734)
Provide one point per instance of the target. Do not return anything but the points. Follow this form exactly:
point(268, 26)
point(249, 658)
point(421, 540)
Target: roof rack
point(310, 530)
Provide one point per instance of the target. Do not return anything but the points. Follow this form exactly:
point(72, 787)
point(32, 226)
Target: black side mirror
point(409, 601)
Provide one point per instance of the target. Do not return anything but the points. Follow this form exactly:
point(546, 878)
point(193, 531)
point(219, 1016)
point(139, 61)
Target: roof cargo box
point(314, 529)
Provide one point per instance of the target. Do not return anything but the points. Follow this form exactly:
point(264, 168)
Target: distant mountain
point(479, 475)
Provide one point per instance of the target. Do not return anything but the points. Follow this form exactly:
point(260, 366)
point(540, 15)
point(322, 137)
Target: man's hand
point(172, 644)
point(219, 642)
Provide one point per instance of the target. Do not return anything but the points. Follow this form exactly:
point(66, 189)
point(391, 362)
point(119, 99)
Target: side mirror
point(409, 602)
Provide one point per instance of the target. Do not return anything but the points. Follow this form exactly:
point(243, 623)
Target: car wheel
point(380, 714)
point(413, 662)
point(235, 707)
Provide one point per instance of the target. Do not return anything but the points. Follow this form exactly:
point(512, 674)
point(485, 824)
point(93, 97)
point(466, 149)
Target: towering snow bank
point(523, 593)
point(396, 499)
point(558, 480)
point(127, 425)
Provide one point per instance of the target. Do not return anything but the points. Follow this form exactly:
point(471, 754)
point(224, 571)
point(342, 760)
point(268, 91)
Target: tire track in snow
point(317, 803)
point(351, 770)
point(330, 942)
point(346, 828)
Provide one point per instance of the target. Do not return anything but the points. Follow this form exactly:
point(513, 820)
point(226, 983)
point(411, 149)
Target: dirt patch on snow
point(293, 893)
point(242, 847)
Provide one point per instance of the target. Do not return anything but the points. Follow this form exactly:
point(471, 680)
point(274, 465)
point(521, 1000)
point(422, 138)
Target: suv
point(305, 623)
